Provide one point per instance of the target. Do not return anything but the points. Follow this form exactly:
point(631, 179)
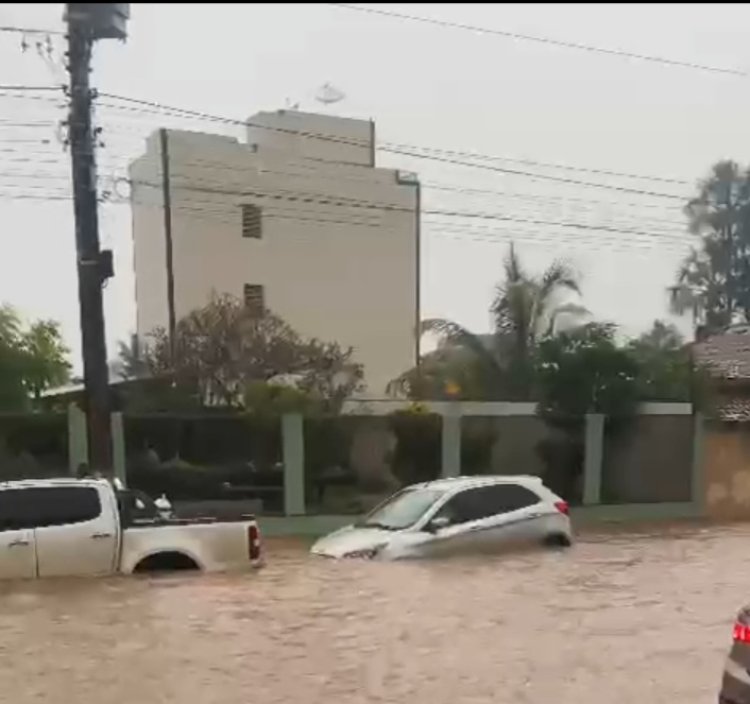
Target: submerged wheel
point(166, 562)
point(557, 540)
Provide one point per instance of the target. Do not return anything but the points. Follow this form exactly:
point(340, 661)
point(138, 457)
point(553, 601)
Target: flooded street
point(620, 618)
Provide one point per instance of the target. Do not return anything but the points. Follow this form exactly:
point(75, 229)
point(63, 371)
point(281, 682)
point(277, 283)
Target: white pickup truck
point(70, 527)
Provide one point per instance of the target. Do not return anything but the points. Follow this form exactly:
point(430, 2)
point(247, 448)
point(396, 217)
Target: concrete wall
point(666, 465)
point(338, 256)
point(503, 445)
point(727, 470)
point(648, 460)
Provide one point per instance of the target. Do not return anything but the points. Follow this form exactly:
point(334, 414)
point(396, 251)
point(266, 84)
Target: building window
point(254, 298)
point(251, 221)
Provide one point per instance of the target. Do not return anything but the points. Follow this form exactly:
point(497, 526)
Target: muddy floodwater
point(620, 618)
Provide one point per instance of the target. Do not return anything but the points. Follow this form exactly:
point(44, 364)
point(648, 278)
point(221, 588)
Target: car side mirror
point(438, 523)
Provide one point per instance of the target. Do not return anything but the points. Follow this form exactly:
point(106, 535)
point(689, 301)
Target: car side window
point(484, 501)
point(39, 507)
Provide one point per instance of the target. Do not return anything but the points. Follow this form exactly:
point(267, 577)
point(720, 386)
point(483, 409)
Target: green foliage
point(525, 309)
point(713, 281)
point(445, 374)
point(32, 359)
point(417, 454)
point(584, 371)
point(223, 352)
point(264, 399)
point(664, 364)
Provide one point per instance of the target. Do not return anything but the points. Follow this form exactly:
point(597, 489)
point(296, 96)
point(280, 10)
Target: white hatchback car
point(455, 516)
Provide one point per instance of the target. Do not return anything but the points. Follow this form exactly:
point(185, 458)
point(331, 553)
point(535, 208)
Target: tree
point(131, 363)
point(584, 371)
point(525, 309)
point(713, 282)
point(224, 349)
point(447, 373)
point(664, 363)
point(32, 359)
point(45, 357)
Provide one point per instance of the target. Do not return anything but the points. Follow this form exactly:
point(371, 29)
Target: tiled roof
point(726, 355)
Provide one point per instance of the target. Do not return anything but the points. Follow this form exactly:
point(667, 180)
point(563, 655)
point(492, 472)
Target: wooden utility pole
point(86, 23)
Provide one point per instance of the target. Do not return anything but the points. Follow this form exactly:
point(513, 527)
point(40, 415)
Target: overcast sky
point(423, 85)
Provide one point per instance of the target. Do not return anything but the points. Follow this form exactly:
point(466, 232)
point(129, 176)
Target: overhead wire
point(432, 153)
point(399, 148)
point(551, 41)
point(31, 30)
point(297, 195)
point(474, 214)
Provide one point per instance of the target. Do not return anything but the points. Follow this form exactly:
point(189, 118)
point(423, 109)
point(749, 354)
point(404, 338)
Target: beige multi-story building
point(298, 220)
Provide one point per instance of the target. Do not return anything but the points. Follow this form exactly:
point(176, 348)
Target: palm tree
point(525, 309)
point(132, 362)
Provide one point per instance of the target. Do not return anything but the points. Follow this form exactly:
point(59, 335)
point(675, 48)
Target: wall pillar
point(118, 447)
point(293, 450)
point(698, 483)
point(592, 459)
point(78, 445)
point(450, 438)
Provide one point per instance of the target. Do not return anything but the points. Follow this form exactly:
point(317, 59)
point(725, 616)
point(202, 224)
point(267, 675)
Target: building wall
point(338, 256)
point(149, 249)
point(306, 135)
point(727, 470)
point(648, 460)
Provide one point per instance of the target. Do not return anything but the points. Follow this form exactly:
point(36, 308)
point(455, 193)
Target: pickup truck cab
point(70, 527)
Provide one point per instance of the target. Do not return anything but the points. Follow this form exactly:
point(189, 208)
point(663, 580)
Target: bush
point(418, 446)
point(181, 481)
point(33, 446)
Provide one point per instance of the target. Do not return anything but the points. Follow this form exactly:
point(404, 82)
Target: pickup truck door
point(76, 533)
point(17, 556)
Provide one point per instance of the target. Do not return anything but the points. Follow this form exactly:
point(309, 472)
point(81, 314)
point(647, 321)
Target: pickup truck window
point(37, 507)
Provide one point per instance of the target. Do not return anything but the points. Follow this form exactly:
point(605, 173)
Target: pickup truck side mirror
point(438, 523)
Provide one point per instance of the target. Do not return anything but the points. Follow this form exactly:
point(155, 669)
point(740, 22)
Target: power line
point(528, 174)
point(432, 152)
point(606, 236)
point(314, 198)
point(618, 219)
point(544, 164)
point(397, 149)
point(368, 205)
point(219, 208)
point(30, 88)
point(311, 176)
point(541, 40)
point(31, 30)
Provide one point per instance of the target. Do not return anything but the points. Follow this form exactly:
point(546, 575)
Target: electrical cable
point(475, 29)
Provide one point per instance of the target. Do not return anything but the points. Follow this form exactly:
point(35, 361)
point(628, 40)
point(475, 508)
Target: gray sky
point(423, 85)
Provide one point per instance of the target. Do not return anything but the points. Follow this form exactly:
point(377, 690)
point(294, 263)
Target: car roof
point(468, 482)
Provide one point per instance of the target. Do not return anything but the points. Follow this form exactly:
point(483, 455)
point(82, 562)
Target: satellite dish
point(328, 94)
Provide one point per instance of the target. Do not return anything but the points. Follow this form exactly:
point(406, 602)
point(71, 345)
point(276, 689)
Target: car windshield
point(402, 510)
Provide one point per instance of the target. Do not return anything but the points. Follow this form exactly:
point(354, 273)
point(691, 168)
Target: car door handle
point(100, 536)
point(18, 544)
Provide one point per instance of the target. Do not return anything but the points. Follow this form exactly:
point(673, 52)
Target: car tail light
point(562, 507)
point(741, 633)
point(253, 542)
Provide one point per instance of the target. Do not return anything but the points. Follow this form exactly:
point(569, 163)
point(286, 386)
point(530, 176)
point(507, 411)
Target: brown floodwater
point(621, 618)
